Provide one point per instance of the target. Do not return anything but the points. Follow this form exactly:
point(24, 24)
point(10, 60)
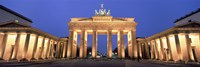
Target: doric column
point(58, 49)
point(74, 50)
point(162, 49)
point(49, 51)
point(134, 44)
point(26, 45)
point(41, 48)
point(152, 52)
point(147, 50)
point(169, 47)
point(121, 45)
point(130, 52)
point(70, 43)
point(48, 47)
point(64, 50)
point(139, 50)
point(35, 47)
point(197, 50)
point(142, 50)
point(61, 49)
point(109, 45)
point(156, 49)
point(94, 44)
point(52, 49)
point(118, 45)
point(178, 46)
point(17, 40)
point(188, 43)
point(83, 45)
point(67, 47)
point(3, 45)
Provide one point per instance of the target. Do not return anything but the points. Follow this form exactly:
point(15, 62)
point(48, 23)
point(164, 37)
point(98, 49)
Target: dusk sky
point(152, 16)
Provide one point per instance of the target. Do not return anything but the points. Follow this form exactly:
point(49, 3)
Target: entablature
point(102, 26)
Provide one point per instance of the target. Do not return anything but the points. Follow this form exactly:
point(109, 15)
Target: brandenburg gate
point(102, 23)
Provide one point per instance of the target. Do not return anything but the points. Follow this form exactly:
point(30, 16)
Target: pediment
point(190, 25)
point(13, 24)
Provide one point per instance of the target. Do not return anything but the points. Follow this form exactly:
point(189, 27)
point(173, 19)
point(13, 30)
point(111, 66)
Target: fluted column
point(122, 44)
point(74, 50)
point(134, 44)
point(83, 44)
point(146, 47)
point(52, 49)
point(118, 45)
point(109, 45)
point(188, 43)
point(26, 45)
point(151, 47)
point(162, 49)
point(3, 45)
point(17, 40)
point(67, 47)
point(61, 49)
point(47, 48)
point(156, 49)
point(35, 47)
point(178, 46)
point(41, 48)
point(197, 49)
point(130, 52)
point(58, 49)
point(121, 51)
point(140, 50)
point(64, 50)
point(94, 44)
point(169, 47)
point(70, 43)
point(143, 50)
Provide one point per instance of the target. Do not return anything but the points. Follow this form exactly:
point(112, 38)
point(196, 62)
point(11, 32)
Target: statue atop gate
point(102, 11)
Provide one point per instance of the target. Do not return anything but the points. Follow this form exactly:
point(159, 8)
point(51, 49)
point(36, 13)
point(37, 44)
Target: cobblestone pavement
point(95, 63)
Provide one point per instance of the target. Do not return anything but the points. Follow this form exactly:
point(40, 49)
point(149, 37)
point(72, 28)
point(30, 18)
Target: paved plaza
point(96, 63)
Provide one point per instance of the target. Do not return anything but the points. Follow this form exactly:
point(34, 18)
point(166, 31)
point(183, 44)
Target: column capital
point(176, 32)
point(94, 30)
point(4, 32)
point(166, 36)
point(133, 30)
point(83, 30)
point(71, 30)
point(187, 32)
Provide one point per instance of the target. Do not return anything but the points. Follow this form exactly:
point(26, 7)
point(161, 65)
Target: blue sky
point(153, 16)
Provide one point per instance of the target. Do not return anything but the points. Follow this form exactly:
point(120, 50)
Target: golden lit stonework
point(102, 23)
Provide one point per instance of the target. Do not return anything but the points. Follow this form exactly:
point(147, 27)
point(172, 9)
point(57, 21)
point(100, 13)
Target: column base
point(14, 59)
point(40, 59)
point(94, 58)
point(33, 59)
point(23, 60)
point(1, 58)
